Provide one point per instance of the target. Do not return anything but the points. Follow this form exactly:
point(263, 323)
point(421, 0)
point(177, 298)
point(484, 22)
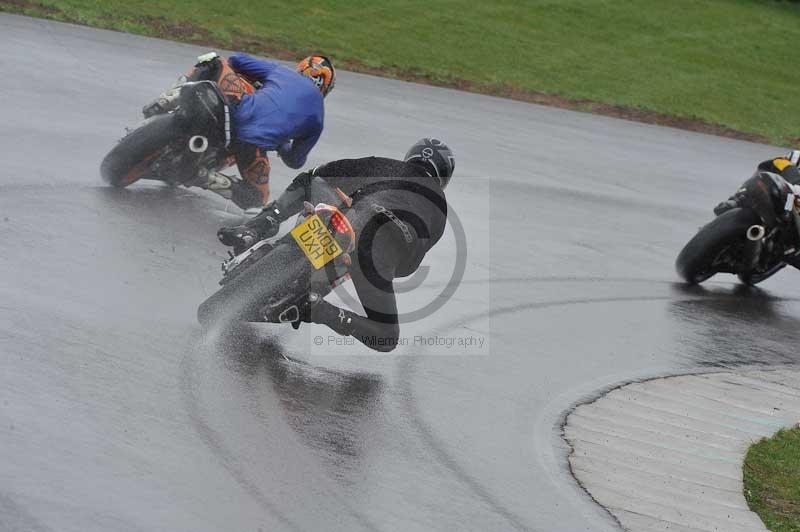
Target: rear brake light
point(339, 223)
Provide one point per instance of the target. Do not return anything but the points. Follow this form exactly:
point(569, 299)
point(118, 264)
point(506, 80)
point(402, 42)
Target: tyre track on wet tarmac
point(407, 366)
point(216, 445)
point(214, 441)
point(159, 469)
point(360, 518)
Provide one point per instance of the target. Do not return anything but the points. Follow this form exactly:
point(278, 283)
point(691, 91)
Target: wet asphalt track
point(117, 414)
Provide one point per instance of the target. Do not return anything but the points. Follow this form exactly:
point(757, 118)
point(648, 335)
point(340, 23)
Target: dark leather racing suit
point(399, 212)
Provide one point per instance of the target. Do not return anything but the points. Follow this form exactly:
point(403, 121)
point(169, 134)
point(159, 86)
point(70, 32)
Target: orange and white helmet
point(320, 69)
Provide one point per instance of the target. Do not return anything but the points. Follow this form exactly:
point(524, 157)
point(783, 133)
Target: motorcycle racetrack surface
point(118, 413)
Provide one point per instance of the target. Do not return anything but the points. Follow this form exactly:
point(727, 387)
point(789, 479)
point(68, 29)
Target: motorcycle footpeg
point(249, 255)
point(288, 310)
point(289, 315)
point(280, 312)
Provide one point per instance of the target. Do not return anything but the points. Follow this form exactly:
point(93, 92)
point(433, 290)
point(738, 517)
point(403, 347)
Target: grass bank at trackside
point(730, 67)
point(772, 480)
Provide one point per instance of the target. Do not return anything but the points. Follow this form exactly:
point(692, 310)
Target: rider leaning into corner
point(285, 114)
point(398, 212)
point(787, 166)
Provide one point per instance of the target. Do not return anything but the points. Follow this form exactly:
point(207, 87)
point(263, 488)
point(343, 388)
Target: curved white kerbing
point(666, 454)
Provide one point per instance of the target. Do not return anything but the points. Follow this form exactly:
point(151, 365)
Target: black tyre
point(695, 263)
point(130, 159)
point(282, 273)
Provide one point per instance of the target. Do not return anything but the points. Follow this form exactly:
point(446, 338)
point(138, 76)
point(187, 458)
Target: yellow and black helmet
point(320, 69)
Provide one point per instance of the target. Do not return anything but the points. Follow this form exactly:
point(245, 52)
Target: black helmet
point(436, 156)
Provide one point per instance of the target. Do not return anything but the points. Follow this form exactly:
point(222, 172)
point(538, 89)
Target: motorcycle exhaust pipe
point(756, 233)
point(752, 247)
point(198, 144)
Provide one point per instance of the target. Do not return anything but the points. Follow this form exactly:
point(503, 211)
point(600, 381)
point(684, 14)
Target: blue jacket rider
point(285, 114)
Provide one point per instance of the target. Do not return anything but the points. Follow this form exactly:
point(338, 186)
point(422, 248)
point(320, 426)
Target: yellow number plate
point(316, 241)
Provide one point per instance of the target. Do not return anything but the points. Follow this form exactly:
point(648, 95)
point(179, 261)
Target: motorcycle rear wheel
point(695, 261)
point(283, 272)
point(130, 159)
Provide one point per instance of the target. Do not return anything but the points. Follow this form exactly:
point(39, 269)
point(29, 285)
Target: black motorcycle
point(274, 281)
point(186, 133)
point(755, 234)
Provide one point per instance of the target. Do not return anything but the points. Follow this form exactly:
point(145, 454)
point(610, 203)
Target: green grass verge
point(689, 63)
point(772, 480)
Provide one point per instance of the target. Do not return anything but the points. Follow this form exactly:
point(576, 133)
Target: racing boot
point(264, 225)
point(240, 237)
point(245, 195)
point(725, 206)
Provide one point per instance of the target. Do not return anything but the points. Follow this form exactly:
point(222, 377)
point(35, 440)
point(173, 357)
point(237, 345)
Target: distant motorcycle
point(273, 281)
point(186, 132)
point(755, 234)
